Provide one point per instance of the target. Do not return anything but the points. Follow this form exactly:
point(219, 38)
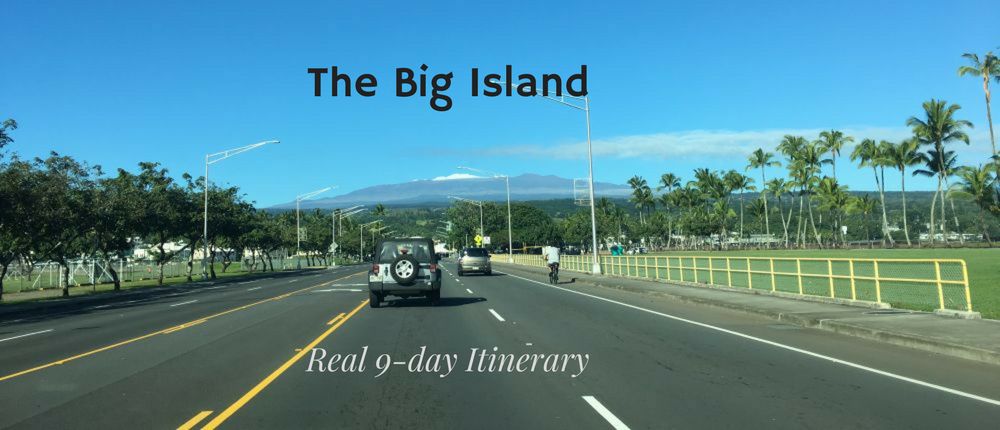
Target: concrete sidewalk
point(974, 339)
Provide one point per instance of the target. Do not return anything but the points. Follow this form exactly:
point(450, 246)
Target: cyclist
point(551, 256)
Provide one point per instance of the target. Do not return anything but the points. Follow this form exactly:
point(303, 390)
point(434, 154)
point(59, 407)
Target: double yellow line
point(336, 322)
point(164, 331)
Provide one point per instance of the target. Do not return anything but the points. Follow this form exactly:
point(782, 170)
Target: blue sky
point(673, 85)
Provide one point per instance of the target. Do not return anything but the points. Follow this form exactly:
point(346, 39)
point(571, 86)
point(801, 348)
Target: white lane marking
point(338, 289)
point(349, 285)
point(25, 335)
point(616, 423)
point(528, 344)
point(254, 288)
point(100, 307)
point(214, 288)
point(470, 291)
point(780, 345)
point(245, 282)
point(497, 315)
point(183, 303)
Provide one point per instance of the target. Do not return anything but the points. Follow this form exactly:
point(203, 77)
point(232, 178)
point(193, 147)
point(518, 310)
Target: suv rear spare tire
point(404, 269)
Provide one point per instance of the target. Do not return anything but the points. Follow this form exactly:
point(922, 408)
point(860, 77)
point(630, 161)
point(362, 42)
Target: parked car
point(404, 268)
point(474, 260)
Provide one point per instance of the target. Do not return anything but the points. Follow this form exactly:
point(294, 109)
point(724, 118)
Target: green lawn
point(983, 267)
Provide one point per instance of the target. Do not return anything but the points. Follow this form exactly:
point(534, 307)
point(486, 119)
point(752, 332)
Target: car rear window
point(419, 249)
point(476, 252)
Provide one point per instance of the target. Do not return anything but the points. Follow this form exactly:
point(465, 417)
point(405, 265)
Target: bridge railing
point(921, 284)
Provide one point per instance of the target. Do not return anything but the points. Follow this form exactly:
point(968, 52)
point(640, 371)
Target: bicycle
point(554, 273)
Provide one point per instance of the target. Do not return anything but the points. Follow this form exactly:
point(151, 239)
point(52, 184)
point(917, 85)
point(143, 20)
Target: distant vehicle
point(474, 260)
point(404, 268)
point(571, 250)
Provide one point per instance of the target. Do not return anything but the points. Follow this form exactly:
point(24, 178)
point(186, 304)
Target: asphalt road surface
point(238, 354)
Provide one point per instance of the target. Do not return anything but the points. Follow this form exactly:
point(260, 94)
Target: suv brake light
point(434, 267)
point(375, 269)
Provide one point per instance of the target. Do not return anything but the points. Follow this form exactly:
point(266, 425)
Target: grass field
point(983, 266)
point(83, 290)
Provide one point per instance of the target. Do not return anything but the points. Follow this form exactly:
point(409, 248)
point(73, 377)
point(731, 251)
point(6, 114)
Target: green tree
point(938, 128)
point(116, 220)
point(833, 141)
point(165, 210)
point(738, 181)
point(21, 195)
point(901, 156)
point(868, 153)
point(977, 185)
point(865, 207)
point(759, 159)
point(8, 126)
point(835, 200)
point(65, 211)
point(987, 68)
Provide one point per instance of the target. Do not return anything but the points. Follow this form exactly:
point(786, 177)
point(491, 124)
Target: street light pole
point(298, 226)
point(212, 159)
point(362, 253)
point(510, 230)
point(596, 269)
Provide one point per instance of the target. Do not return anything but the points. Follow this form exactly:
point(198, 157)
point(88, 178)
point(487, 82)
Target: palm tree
point(604, 205)
point(938, 128)
point(835, 199)
point(937, 166)
point(900, 156)
point(738, 181)
point(833, 141)
point(642, 196)
point(790, 145)
point(669, 181)
point(988, 68)
point(809, 159)
point(870, 154)
point(864, 205)
point(977, 185)
point(778, 187)
point(762, 160)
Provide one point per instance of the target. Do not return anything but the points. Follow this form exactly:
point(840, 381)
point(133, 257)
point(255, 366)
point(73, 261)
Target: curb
point(831, 325)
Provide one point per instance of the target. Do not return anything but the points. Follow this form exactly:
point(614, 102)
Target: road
point(237, 354)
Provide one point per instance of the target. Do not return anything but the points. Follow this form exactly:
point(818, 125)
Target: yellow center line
point(164, 331)
point(194, 420)
point(219, 419)
point(335, 319)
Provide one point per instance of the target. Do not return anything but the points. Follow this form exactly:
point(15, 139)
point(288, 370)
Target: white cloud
point(704, 143)
point(455, 176)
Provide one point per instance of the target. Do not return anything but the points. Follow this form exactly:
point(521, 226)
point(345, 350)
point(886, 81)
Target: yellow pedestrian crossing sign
point(479, 240)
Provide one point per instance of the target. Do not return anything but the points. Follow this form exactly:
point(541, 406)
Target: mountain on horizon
point(528, 186)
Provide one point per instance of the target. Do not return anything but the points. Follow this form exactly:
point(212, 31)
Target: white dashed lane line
point(25, 335)
point(497, 315)
point(254, 288)
point(183, 303)
point(470, 291)
point(616, 423)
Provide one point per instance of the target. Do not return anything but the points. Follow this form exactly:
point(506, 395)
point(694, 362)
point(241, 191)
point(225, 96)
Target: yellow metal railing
point(909, 283)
